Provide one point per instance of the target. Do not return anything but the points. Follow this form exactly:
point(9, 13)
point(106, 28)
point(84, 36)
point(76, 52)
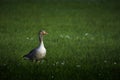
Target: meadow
point(83, 41)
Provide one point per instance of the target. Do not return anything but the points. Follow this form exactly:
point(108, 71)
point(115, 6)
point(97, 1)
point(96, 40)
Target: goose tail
point(25, 57)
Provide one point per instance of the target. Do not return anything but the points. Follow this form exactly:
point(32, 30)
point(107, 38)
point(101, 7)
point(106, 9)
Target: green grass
point(82, 44)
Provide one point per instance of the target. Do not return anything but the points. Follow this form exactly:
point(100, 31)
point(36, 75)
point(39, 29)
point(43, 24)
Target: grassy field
point(83, 41)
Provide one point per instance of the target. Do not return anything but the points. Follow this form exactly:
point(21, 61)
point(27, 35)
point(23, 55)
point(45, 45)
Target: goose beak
point(45, 33)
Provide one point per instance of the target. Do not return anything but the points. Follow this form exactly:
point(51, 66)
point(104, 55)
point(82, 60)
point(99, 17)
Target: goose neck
point(41, 40)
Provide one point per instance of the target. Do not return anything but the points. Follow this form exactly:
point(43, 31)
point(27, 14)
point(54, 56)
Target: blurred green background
point(82, 44)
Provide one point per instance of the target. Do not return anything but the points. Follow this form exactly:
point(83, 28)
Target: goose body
point(38, 53)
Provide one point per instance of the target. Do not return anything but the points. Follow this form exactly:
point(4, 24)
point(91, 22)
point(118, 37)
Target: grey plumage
point(38, 53)
point(30, 55)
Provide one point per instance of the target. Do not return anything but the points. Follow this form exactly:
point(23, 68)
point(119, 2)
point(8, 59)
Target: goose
point(38, 53)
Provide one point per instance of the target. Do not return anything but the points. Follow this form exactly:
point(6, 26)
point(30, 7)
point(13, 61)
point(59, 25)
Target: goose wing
point(30, 55)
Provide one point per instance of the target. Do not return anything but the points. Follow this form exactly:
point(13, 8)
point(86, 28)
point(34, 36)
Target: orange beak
point(45, 33)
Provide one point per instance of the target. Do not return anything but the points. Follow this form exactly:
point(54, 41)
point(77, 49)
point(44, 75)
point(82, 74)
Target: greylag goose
point(38, 53)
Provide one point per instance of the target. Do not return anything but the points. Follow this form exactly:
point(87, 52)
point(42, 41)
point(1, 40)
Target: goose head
point(43, 32)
